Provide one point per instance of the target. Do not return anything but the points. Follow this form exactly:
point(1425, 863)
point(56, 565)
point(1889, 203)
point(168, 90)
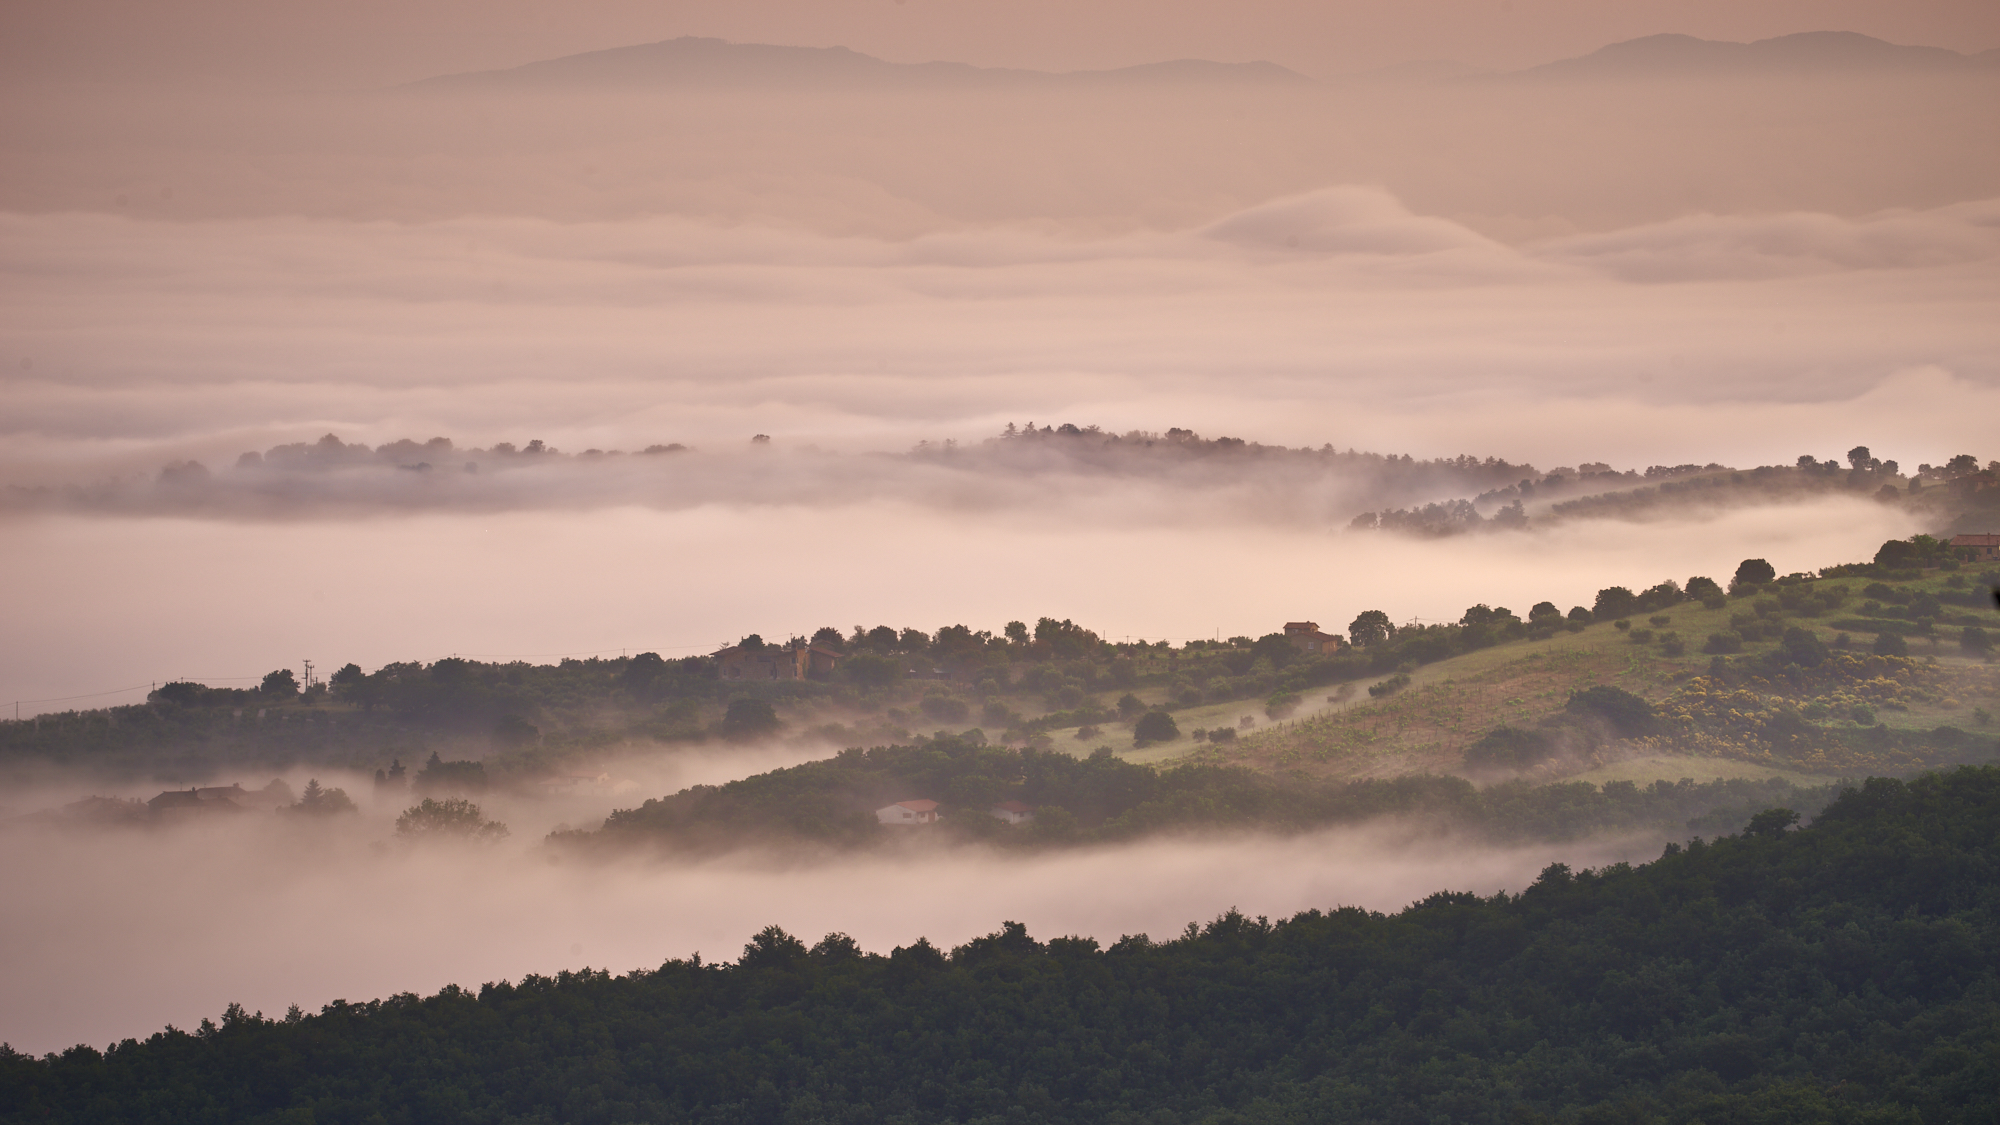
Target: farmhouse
point(1309, 640)
point(1013, 812)
point(1982, 548)
point(772, 662)
point(199, 801)
point(908, 812)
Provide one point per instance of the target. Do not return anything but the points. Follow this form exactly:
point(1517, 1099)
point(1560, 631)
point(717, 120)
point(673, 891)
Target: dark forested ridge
point(1845, 972)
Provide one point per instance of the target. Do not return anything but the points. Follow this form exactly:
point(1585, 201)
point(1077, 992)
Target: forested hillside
point(1100, 799)
point(1852, 651)
point(1845, 972)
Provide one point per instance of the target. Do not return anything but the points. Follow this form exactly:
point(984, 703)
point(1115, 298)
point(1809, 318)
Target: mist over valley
point(843, 562)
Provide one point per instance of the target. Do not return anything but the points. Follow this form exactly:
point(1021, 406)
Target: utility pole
point(309, 675)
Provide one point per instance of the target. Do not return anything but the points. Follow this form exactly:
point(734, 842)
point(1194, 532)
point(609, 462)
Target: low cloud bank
point(133, 344)
point(126, 938)
point(136, 601)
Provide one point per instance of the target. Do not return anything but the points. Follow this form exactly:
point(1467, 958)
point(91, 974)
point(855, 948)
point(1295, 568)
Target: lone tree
point(1754, 572)
point(1155, 726)
point(1613, 602)
point(1372, 627)
point(280, 683)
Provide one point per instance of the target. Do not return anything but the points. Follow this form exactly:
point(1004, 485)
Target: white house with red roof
point(908, 812)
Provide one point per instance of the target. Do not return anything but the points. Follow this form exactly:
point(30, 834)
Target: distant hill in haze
point(697, 62)
point(1806, 53)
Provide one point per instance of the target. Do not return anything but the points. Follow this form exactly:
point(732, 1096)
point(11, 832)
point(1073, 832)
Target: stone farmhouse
point(1310, 641)
point(1984, 548)
point(774, 662)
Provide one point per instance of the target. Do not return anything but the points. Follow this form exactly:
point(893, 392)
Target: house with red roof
point(1982, 548)
point(1312, 642)
point(1013, 812)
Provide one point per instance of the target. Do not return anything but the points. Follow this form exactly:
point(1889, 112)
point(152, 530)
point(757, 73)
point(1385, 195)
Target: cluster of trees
point(453, 818)
point(1844, 972)
point(1597, 492)
point(1103, 798)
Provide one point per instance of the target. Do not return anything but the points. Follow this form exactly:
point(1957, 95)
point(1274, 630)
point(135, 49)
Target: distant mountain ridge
point(692, 61)
point(1806, 53)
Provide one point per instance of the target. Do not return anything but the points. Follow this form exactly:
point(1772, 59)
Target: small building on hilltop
point(1981, 548)
point(1310, 641)
point(919, 811)
point(1013, 812)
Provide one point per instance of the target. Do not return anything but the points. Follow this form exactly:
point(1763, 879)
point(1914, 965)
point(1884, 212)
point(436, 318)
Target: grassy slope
point(1448, 705)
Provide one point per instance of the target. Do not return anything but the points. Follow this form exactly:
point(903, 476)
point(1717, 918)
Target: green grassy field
point(1448, 705)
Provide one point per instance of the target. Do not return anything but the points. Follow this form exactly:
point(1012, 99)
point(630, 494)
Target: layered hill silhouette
point(1830, 53)
point(697, 62)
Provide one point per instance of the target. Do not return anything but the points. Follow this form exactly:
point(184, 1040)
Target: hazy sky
point(379, 42)
point(1639, 273)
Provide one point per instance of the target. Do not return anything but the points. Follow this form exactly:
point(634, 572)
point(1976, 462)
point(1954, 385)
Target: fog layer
point(106, 938)
point(141, 601)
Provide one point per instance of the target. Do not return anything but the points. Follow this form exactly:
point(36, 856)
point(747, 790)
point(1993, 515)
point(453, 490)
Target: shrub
point(1130, 706)
point(1659, 620)
point(870, 670)
point(1390, 686)
point(747, 718)
point(942, 708)
point(1222, 734)
point(1155, 726)
point(1973, 639)
point(1627, 713)
point(1725, 642)
point(1890, 644)
point(1803, 647)
point(1507, 748)
point(1281, 704)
